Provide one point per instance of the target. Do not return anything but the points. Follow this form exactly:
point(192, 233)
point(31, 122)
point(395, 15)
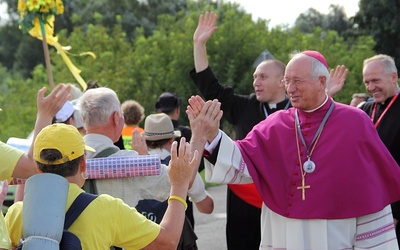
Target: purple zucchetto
point(316, 55)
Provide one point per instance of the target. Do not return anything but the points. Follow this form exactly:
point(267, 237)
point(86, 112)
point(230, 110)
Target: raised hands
point(336, 80)
point(138, 142)
point(204, 118)
point(49, 106)
point(205, 27)
point(182, 164)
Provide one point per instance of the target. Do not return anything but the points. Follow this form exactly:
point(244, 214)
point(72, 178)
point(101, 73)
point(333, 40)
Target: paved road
point(210, 228)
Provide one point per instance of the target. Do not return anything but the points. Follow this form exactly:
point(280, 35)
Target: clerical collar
point(312, 110)
point(389, 99)
point(272, 105)
point(275, 106)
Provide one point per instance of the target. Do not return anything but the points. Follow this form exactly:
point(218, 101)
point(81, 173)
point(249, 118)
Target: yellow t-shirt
point(9, 158)
point(5, 242)
point(107, 221)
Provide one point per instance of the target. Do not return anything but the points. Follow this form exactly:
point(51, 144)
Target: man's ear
point(115, 118)
point(395, 77)
point(323, 82)
point(82, 164)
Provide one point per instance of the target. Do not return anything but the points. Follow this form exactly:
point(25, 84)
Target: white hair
point(97, 105)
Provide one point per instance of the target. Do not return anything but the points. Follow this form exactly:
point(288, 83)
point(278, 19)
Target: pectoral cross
point(303, 188)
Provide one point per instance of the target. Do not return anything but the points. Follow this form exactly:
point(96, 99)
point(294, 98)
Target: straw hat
point(159, 127)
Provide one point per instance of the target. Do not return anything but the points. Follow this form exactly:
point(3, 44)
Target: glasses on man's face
point(295, 82)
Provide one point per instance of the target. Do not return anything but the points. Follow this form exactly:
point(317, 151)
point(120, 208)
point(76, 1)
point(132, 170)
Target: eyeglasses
point(295, 82)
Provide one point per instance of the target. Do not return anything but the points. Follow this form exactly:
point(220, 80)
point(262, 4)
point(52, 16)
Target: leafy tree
point(310, 19)
point(336, 20)
point(28, 55)
point(18, 102)
point(381, 20)
point(18, 51)
point(148, 64)
point(133, 14)
point(80, 13)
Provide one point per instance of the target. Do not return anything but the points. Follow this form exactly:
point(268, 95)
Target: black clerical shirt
point(389, 126)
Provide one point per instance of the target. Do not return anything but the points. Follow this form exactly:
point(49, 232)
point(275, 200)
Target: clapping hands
point(204, 117)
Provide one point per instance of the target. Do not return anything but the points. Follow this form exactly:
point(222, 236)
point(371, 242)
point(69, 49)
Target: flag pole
point(46, 54)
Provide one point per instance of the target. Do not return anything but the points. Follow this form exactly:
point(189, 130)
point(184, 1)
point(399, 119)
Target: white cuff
point(197, 192)
point(211, 146)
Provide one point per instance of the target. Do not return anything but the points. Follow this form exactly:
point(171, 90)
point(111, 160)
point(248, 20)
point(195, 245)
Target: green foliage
point(18, 102)
point(17, 51)
point(381, 20)
point(310, 19)
point(336, 20)
point(143, 65)
point(26, 23)
point(133, 14)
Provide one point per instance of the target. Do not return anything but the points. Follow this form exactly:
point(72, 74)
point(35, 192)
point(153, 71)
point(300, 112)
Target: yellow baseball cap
point(65, 138)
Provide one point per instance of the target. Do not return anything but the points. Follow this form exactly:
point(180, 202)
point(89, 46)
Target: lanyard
point(317, 134)
point(384, 111)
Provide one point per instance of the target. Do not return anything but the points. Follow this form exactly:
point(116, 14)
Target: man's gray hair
point(97, 105)
point(387, 61)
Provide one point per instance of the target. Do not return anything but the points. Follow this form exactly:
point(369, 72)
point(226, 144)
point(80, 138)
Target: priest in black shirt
point(381, 81)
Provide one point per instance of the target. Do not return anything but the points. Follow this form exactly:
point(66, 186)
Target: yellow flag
point(53, 41)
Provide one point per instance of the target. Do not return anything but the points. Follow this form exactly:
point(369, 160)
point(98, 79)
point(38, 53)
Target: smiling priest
point(325, 177)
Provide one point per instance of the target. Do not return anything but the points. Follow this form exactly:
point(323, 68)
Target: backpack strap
point(166, 160)
point(77, 207)
point(106, 152)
